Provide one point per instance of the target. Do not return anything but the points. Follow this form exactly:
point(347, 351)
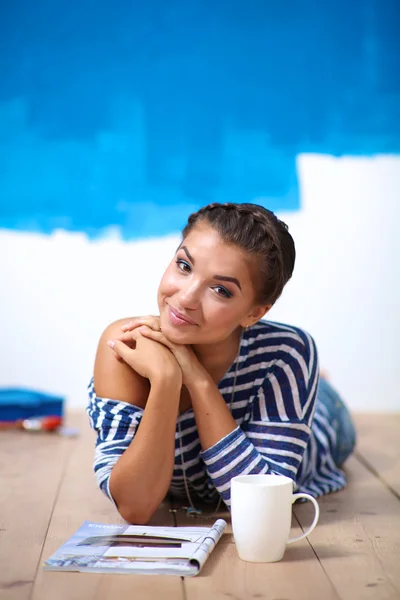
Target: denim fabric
point(340, 420)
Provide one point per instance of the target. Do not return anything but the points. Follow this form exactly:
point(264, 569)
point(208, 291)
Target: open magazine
point(100, 548)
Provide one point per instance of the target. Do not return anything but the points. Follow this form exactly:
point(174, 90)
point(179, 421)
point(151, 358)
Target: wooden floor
point(47, 490)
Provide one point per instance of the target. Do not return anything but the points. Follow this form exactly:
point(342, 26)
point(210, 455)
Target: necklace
point(191, 510)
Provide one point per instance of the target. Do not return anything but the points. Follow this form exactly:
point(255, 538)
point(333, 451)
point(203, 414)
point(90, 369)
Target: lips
point(178, 318)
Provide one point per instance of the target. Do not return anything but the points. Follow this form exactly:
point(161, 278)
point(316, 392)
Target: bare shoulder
point(114, 329)
point(115, 379)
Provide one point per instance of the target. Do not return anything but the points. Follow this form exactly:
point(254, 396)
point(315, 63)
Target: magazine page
point(97, 547)
point(208, 543)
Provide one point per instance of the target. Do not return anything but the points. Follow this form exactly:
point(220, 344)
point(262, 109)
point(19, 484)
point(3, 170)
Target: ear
point(255, 315)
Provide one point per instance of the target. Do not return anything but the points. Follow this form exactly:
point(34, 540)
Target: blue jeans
point(340, 420)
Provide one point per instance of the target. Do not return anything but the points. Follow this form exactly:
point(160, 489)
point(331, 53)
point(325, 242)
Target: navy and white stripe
point(281, 426)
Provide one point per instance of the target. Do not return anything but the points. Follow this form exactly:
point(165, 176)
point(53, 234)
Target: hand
point(192, 369)
point(147, 357)
point(150, 320)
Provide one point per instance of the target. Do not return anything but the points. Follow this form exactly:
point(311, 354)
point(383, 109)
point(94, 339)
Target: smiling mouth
point(178, 319)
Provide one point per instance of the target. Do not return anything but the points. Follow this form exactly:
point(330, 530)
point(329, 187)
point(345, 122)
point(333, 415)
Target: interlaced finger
point(150, 321)
point(129, 337)
point(157, 336)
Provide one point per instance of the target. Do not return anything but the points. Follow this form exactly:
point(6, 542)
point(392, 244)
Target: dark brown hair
point(259, 232)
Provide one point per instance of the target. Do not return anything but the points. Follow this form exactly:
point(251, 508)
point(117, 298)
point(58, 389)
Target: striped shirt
point(281, 428)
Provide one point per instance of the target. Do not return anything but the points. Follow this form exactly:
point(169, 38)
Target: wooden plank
point(299, 576)
point(353, 553)
point(31, 467)
point(79, 500)
point(358, 537)
point(378, 446)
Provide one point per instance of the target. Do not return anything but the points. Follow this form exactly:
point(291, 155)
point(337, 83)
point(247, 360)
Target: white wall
point(59, 292)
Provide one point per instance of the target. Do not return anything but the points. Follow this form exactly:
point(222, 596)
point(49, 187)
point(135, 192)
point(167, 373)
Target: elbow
point(136, 508)
point(131, 509)
point(135, 516)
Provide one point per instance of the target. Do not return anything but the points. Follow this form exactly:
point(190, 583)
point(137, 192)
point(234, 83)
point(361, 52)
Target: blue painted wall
point(133, 113)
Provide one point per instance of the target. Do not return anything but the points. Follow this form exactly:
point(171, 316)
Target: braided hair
point(258, 231)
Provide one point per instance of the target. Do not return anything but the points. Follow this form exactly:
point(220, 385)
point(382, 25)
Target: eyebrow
point(219, 277)
point(232, 279)
point(190, 257)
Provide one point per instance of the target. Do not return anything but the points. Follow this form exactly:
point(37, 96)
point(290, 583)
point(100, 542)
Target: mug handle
point(313, 524)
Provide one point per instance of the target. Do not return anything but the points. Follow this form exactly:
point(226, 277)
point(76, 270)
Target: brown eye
point(183, 265)
point(221, 291)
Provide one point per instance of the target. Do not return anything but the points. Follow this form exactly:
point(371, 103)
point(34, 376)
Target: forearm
point(141, 477)
point(213, 417)
point(228, 451)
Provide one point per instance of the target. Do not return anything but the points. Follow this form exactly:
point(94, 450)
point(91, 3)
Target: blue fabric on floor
point(22, 403)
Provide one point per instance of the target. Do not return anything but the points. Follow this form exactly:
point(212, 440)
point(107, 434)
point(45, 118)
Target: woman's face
point(206, 291)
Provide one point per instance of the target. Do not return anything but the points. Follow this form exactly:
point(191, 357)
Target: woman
point(206, 390)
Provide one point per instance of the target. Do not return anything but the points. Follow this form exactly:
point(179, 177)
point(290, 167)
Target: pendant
point(191, 511)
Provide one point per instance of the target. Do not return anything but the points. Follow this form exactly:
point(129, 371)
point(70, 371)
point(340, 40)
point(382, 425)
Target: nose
point(189, 295)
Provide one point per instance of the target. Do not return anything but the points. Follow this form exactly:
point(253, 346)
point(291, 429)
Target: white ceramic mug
point(261, 511)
